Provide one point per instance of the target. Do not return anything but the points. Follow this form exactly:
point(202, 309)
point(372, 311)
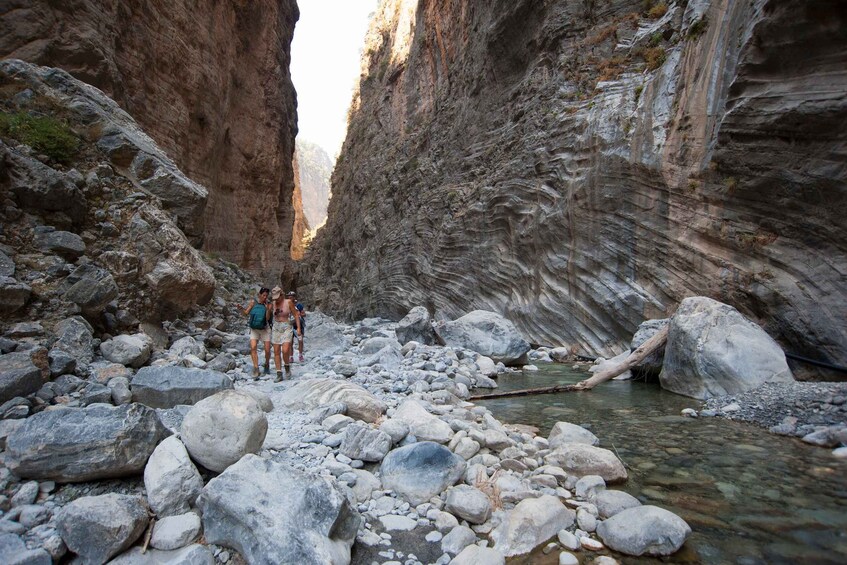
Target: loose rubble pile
point(371, 445)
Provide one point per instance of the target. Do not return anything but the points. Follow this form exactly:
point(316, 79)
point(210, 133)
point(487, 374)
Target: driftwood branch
point(634, 359)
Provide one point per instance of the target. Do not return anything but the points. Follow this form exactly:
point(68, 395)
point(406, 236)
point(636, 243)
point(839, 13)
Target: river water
point(750, 497)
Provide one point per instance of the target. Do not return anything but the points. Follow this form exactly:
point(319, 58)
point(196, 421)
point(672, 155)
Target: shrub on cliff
point(45, 134)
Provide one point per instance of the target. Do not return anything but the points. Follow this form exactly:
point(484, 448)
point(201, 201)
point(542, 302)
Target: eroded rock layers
point(583, 166)
point(210, 83)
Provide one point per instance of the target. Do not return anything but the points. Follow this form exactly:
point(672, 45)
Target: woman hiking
point(258, 317)
point(283, 310)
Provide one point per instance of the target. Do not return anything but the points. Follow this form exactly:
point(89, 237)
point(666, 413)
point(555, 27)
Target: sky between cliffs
point(325, 66)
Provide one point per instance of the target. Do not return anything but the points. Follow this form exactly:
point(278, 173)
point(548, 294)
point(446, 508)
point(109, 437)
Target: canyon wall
point(209, 81)
point(584, 166)
point(315, 172)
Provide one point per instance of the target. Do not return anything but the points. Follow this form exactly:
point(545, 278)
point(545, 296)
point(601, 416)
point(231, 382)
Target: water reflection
point(751, 497)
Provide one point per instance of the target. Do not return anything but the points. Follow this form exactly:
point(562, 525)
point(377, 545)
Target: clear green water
point(750, 497)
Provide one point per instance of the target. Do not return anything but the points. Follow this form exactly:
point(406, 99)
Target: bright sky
point(325, 66)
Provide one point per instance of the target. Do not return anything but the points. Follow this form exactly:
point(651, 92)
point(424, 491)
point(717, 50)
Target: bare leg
point(267, 353)
point(254, 355)
point(286, 353)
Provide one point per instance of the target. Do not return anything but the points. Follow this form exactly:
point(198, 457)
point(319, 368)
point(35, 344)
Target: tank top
point(282, 314)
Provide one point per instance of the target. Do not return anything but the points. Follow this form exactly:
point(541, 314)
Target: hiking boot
point(255, 373)
point(278, 377)
point(301, 358)
point(267, 368)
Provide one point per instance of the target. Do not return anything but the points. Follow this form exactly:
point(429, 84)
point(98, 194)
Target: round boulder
point(644, 530)
point(221, 429)
point(421, 470)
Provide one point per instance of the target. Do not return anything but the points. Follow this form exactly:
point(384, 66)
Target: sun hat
point(276, 292)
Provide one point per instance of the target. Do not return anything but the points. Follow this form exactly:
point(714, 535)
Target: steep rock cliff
point(209, 82)
point(583, 166)
point(315, 171)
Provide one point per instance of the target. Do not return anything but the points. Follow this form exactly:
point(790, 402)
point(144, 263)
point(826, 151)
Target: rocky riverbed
point(397, 466)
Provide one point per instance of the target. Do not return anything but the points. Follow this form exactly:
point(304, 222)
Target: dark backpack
point(258, 317)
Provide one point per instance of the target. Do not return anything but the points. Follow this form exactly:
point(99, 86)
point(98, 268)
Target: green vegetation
point(698, 28)
point(656, 11)
point(655, 39)
point(44, 134)
point(638, 90)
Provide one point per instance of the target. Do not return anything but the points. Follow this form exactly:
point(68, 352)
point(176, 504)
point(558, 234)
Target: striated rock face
point(584, 166)
point(210, 85)
point(315, 171)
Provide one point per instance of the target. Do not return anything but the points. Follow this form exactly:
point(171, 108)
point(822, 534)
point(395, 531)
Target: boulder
point(365, 443)
point(396, 429)
point(468, 503)
point(168, 386)
point(130, 350)
point(13, 294)
point(422, 424)
point(580, 459)
point(187, 346)
point(530, 523)
point(91, 288)
point(79, 444)
point(221, 429)
point(174, 532)
point(611, 502)
point(416, 326)
point(421, 470)
point(195, 554)
point(713, 350)
point(68, 245)
point(171, 479)
point(272, 513)
point(120, 393)
point(486, 366)
point(644, 530)
point(13, 551)
point(326, 338)
point(476, 555)
point(652, 364)
point(565, 432)
point(61, 362)
point(375, 344)
point(99, 527)
point(75, 338)
point(23, 373)
point(309, 394)
point(487, 333)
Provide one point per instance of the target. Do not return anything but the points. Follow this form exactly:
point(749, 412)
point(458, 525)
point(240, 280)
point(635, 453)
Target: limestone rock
point(13, 294)
point(530, 523)
point(416, 326)
point(644, 530)
point(422, 424)
point(476, 555)
point(468, 504)
point(99, 527)
point(223, 428)
point(191, 555)
point(713, 350)
point(78, 444)
point(168, 386)
point(611, 502)
point(91, 288)
point(365, 443)
point(19, 374)
point(564, 432)
point(309, 394)
point(652, 364)
point(421, 470)
point(63, 243)
point(487, 333)
point(75, 338)
point(581, 459)
point(171, 479)
point(13, 551)
point(272, 513)
point(174, 532)
point(130, 350)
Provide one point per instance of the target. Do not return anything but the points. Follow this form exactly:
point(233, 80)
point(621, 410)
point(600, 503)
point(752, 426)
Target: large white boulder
point(644, 530)
point(530, 523)
point(129, 350)
point(581, 459)
point(171, 479)
point(273, 513)
point(312, 393)
point(564, 432)
point(487, 333)
point(221, 429)
point(713, 350)
point(422, 424)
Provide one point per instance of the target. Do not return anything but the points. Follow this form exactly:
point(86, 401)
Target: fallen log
point(634, 359)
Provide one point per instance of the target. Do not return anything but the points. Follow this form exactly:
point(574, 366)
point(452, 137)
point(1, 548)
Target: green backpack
point(258, 317)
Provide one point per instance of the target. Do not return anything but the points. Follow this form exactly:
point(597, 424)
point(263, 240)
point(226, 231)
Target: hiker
point(283, 310)
point(301, 333)
point(258, 318)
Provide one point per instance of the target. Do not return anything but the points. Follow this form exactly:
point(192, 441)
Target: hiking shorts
point(260, 335)
point(282, 333)
point(302, 330)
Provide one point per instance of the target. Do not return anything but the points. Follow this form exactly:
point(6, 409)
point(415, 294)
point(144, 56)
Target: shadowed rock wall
point(583, 166)
point(209, 81)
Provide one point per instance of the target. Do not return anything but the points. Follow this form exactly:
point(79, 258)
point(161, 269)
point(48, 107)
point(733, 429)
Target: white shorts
point(282, 333)
point(260, 335)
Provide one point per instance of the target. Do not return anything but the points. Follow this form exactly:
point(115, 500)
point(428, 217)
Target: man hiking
point(258, 317)
point(300, 332)
point(283, 310)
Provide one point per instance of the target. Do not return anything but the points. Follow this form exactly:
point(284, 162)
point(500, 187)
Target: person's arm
point(296, 317)
point(269, 311)
point(249, 307)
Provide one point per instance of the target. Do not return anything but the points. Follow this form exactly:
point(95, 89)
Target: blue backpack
point(258, 317)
